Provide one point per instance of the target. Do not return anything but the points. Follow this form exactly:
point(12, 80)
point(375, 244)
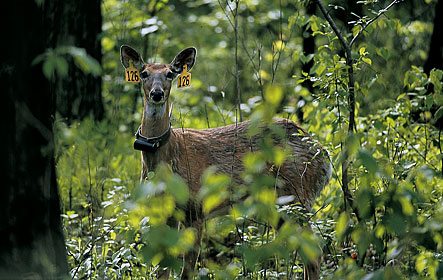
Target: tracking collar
point(152, 144)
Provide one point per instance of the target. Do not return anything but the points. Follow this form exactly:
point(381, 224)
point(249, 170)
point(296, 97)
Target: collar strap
point(152, 144)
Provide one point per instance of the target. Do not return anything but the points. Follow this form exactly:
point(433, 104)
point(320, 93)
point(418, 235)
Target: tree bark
point(435, 55)
point(435, 58)
point(30, 226)
point(77, 23)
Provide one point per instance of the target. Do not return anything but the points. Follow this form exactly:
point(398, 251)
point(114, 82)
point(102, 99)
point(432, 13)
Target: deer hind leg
point(163, 274)
point(194, 219)
point(190, 262)
point(311, 270)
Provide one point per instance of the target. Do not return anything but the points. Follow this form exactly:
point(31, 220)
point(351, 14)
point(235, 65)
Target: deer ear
point(186, 56)
point(127, 53)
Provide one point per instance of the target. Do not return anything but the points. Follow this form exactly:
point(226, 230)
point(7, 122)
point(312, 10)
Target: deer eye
point(169, 75)
point(144, 74)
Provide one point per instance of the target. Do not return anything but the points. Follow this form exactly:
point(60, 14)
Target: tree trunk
point(32, 241)
point(77, 23)
point(435, 55)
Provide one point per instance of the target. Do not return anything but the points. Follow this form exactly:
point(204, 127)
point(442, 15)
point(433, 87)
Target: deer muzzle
point(157, 95)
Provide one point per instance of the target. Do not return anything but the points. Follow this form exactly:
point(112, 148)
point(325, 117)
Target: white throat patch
point(155, 111)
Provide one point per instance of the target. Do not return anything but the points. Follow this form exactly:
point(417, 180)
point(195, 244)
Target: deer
point(191, 151)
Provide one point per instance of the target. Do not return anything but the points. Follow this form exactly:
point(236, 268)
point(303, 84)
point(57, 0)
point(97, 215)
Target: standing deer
point(191, 151)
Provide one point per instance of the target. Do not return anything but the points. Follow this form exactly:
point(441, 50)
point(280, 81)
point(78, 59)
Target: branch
point(226, 13)
point(334, 27)
point(381, 12)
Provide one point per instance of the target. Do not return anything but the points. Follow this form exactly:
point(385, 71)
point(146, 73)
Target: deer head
point(156, 77)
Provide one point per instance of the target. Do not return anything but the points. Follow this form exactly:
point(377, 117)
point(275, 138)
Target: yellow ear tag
point(184, 79)
point(132, 75)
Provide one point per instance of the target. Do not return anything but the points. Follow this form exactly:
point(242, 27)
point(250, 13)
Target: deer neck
point(155, 119)
point(155, 122)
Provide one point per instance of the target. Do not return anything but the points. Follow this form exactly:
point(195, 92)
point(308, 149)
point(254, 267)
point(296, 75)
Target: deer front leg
point(144, 172)
point(165, 273)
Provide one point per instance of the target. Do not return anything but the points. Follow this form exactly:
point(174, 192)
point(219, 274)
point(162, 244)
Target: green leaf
point(305, 59)
point(211, 201)
point(107, 43)
point(367, 161)
point(341, 225)
point(365, 203)
point(214, 189)
point(84, 61)
point(409, 78)
point(362, 238)
point(435, 77)
point(438, 98)
point(71, 214)
point(420, 263)
point(254, 162)
point(61, 66)
point(178, 188)
point(406, 204)
point(355, 30)
point(54, 61)
point(353, 143)
point(362, 51)
point(439, 113)
point(309, 250)
point(321, 68)
point(395, 223)
point(146, 189)
point(383, 52)
point(367, 60)
point(429, 101)
point(48, 68)
point(273, 95)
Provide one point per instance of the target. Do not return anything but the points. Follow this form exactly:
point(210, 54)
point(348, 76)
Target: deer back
point(303, 175)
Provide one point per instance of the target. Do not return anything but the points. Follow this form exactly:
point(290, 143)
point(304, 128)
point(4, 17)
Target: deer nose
point(157, 95)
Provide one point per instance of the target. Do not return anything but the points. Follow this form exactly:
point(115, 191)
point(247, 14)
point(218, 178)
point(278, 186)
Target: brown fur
point(156, 67)
point(191, 151)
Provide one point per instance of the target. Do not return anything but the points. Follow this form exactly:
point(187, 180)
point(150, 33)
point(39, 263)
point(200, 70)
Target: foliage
point(117, 228)
point(55, 61)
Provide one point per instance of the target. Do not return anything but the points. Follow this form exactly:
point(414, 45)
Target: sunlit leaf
point(367, 60)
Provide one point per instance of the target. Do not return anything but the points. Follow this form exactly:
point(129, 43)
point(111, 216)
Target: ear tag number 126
point(184, 79)
point(132, 75)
